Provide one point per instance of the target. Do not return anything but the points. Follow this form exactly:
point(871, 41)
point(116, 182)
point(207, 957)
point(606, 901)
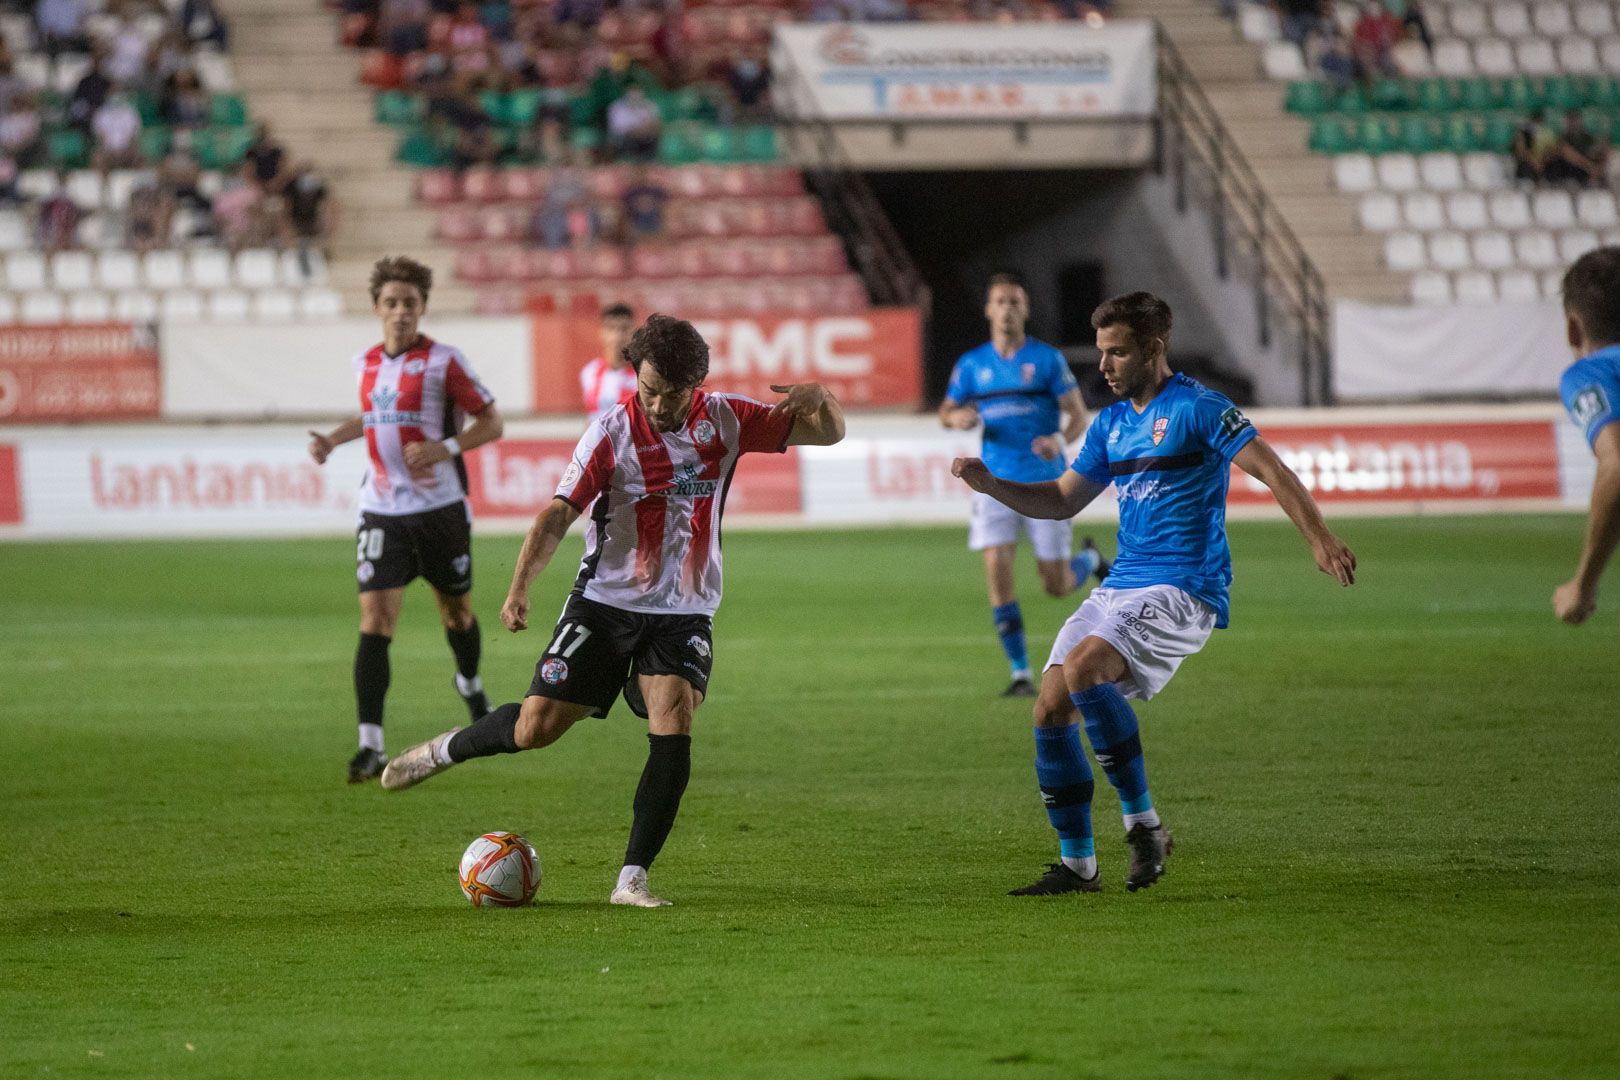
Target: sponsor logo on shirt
point(383, 398)
point(1138, 489)
point(1113, 436)
point(1589, 404)
point(1232, 422)
point(689, 483)
point(1160, 426)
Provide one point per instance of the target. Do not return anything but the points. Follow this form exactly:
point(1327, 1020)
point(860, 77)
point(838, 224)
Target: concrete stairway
point(300, 79)
point(1274, 144)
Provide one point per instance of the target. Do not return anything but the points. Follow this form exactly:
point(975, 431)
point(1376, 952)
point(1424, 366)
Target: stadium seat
point(1510, 20)
point(1495, 57)
point(71, 270)
point(320, 303)
point(1453, 59)
point(1404, 252)
point(1412, 59)
point(1579, 56)
point(1283, 62)
point(215, 73)
point(1465, 210)
point(33, 69)
point(1510, 210)
point(1536, 56)
point(1309, 97)
point(1573, 243)
point(135, 306)
point(1553, 209)
point(1398, 172)
point(1449, 251)
point(36, 184)
point(163, 270)
point(208, 268)
point(67, 148)
point(1594, 18)
point(183, 305)
point(118, 270)
point(275, 305)
point(1484, 172)
point(1609, 51)
point(120, 182)
point(1552, 284)
point(87, 306)
point(303, 268)
point(42, 307)
point(1380, 212)
point(1518, 286)
point(1423, 211)
point(1492, 250)
point(257, 268)
point(14, 232)
point(1468, 20)
point(1330, 135)
point(1552, 18)
point(1441, 171)
point(1474, 287)
point(1596, 209)
point(84, 187)
point(25, 271)
point(101, 231)
point(227, 305)
point(1537, 249)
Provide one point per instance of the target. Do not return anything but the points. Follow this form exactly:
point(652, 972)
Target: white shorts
point(994, 524)
point(1154, 629)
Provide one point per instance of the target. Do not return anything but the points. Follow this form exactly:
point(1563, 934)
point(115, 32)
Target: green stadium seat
point(1522, 94)
point(1330, 135)
point(1420, 135)
point(227, 111)
point(1462, 135)
point(1480, 95)
point(222, 147)
point(523, 107)
point(691, 103)
point(1309, 98)
point(585, 140)
point(1562, 93)
point(720, 144)
point(582, 112)
point(758, 143)
point(1354, 100)
point(1390, 95)
point(155, 142)
point(493, 102)
point(1602, 91)
point(680, 144)
point(1378, 136)
point(1499, 131)
point(1438, 96)
point(67, 148)
point(421, 149)
point(398, 108)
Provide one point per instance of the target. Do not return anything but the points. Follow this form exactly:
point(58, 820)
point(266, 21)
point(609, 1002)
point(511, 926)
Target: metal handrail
point(1192, 132)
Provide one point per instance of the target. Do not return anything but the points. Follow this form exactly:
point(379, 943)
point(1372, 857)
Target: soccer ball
point(501, 869)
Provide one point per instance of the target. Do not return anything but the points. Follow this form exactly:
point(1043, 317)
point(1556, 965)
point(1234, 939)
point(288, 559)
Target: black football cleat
point(367, 764)
point(1149, 848)
point(1060, 879)
point(1103, 565)
point(1022, 686)
point(477, 703)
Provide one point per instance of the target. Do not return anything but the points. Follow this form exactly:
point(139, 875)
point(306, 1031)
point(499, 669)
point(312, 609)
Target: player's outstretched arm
point(958, 417)
point(550, 526)
point(321, 446)
point(487, 426)
point(1332, 556)
point(1576, 599)
point(1058, 499)
point(818, 419)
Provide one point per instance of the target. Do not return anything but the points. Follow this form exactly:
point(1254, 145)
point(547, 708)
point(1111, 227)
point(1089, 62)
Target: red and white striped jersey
point(419, 395)
point(603, 387)
point(654, 540)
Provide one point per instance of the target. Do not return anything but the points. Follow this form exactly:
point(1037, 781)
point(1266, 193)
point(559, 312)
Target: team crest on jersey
point(415, 367)
point(1029, 373)
point(554, 671)
point(365, 571)
point(1590, 404)
point(570, 475)
point(703, 432)
point(698, 645)
point(1160, 426)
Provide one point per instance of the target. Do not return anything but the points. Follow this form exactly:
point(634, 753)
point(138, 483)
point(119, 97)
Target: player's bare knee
point(672, 721)
point(1084, 668)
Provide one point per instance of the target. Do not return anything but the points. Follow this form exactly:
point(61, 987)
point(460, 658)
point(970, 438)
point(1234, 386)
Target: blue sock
point(1010, 628)
point(1064, 774)
point(1111, 727)
point(1084, 565)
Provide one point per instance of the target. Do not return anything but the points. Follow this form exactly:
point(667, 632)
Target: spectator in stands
point(1579, 157)
point(612, 81)
point(307, 206)
point(402, 25)
point(185, 103)
point(170, 55)
point(21, 130)
point(91, 91)
point(126, 57)
point(634, 126)
point(643, 208)
point(58, 219)
point(268, 158)
point(202, 23)
point(117, 129)
point(548, 227)
point(583, 14)
point(1374, 38)
point(474, 142)
point(1410, 12)
point(180, 175)
point(1299, 18)
point(237, 217)
point(551, 140)
point(1533, 144)
point(147, 216)
point(1328, 54)
point(60, 24)
point(9, 175)
point(12, 85)
point(672, 47)
point(749, 81)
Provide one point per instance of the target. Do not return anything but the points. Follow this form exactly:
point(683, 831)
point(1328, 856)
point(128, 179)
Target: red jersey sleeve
point(463, 387)
point(589, 470)
point(758, 431)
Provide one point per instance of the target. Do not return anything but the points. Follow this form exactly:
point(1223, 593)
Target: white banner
point(887, 71)
point(1459, 350)
point(260, 372)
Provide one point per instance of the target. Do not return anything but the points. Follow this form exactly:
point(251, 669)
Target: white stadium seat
point(89, 307)
point(1453, 59)
point(1398, 172)
point(256, 268)
point(182, 305)
point(42, 307)
point(1573, 243)
point(1423, 212)
point(1552, 285)
point(1441, 171)
point(84, 187)
point(1579, 56)
point(1594, 19)
point(275, 305)
point(227, 305)
point(1283, 62)
point(1466, 210)
point(163, 270)
point(1380, 212)
point(1404, 251)
point(320, 303)
point(1258, 23)
point(1609, 50)
point(1510, 210)
point(208, 268)
point(36, 184)
point(25, 271)
point(1552, 19)
point(73, 270)
point(1537, 249)
point(14, 233)
point(1518, 286)
point(1412, 59)
point(1431, 288)
point(1492, 250)
point(1494, 57)
point(1536, 56)
point(118, 270)
point(1354, 173)
point(69, 69)
point(1553, 209)
point(102, 230)
point(1484, 171)
point(1345, 13)
point(1449, 251)
point(136, 306)
point(1510, 20)
point(1596, 208)
point(186, 224)
point(1474, 287)
point(120, 182)
point(306, 267)
point(33, 69)
point(1469, 20)
point(215, 73)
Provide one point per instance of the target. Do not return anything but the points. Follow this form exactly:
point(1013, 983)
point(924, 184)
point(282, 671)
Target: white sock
point(441, 750)
point(1022, 673)
point(1150, 818)
point(1086, 867)
point(371, 737)
point(468, 687)
point(630, 874)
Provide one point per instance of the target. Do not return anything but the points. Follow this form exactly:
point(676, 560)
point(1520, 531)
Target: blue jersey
point(1591, 391)
point(1170, 464)
point(1017, 398)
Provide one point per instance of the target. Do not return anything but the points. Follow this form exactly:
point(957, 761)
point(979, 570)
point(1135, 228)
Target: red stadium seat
point(437, 186)
point(524, 185)
point(555, 265)
point(603, 262)
point(512, 264)
point(653, 261)
point(500, 225)
point(610, 183)
point(482, 184)
point(475, 265)
point(459, 225)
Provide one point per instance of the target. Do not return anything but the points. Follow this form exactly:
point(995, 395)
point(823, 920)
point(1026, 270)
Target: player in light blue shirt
point(1023, 393)
point(1590, 389)
point(1168, 449)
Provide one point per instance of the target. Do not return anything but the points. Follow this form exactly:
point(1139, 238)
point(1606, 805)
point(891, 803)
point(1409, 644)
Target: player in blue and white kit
point(1168, 449)
point(1023, 393)
point(1591, 392)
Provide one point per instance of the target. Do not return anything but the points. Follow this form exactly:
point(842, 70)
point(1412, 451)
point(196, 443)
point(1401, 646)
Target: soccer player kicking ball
point(654, 472)
point(1591, 392)
point(1168, 449)
point(414, 519)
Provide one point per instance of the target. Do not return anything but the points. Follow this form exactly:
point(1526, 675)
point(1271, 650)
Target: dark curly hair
point(673, 347)
point(1592, 294)
point(400, 268)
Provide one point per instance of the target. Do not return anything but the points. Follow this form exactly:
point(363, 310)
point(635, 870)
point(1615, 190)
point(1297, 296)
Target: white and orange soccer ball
point(500, 869)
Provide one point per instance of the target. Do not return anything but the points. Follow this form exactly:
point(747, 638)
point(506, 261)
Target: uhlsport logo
point(1160, 426)
point(699, 645)
point(554, 671)
point(703, 432)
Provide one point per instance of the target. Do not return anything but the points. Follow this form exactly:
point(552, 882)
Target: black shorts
point(393, 549)
point(597, 651)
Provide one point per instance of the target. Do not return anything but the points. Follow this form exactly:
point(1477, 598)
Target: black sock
point(658, 796)
point(493, 733)
point(371, 677)
point(466, 644)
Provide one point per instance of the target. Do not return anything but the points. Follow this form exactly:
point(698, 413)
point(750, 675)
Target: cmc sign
point(872, 359)
point(89, 372)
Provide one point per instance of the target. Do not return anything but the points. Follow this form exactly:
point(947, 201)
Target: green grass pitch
point(1396, 809)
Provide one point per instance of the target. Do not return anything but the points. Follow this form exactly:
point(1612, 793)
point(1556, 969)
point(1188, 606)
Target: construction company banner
point(864, 71)
point(80, 372)
point(868, 360)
